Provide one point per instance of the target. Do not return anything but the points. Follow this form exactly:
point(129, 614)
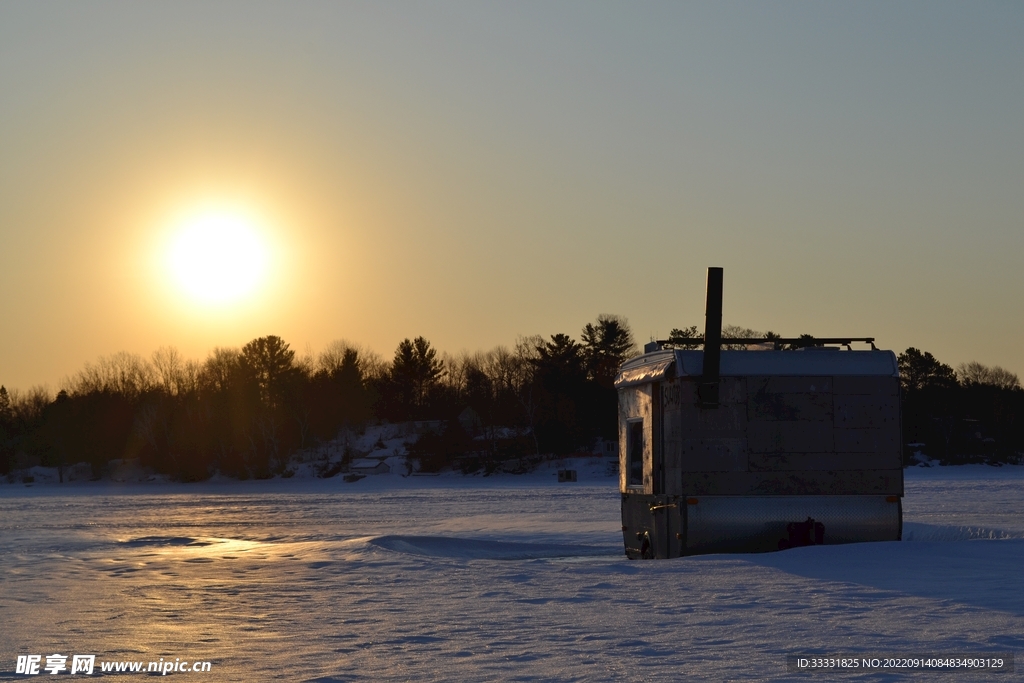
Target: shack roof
point(666, 364)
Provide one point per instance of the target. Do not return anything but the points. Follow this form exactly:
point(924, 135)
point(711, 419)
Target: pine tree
point(271, 364)
point(922, 371)
point(5, 404)
point(415, 372)
point(605, 346)
point(685, 337)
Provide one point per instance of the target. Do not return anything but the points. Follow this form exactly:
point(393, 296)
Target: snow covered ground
point(498, 578)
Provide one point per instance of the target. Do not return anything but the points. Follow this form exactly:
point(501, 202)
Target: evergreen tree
point(414, 376)
point(686, 337)
point(5, 405)
point(920, 371)
point(605, 346)
point(6, 431)
point(271, 364)
point(562, 394)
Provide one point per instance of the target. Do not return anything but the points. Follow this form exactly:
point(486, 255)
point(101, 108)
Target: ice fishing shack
point(796, 443)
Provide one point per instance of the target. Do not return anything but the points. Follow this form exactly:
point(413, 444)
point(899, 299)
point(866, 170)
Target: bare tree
point(738, 332)
point(29, 406)
point(456, 372)
point(190, 375)
point(976, 373)
point(219, 369)
point(306, 364)
point(169, 368)
point(123, 373)
point(523, 361)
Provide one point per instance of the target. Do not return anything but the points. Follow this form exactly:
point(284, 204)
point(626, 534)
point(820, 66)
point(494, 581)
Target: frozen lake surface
point(501, 578)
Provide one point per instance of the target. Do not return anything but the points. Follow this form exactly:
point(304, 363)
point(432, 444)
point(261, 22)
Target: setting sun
point(218, 257)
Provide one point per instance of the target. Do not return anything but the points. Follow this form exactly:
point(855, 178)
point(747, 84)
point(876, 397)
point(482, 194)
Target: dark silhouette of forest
point(244, 412)
point(972, 414)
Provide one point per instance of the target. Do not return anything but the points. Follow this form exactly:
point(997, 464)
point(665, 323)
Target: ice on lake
point(503, 578)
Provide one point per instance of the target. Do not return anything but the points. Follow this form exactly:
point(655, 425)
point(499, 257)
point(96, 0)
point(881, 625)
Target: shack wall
point(813, 435)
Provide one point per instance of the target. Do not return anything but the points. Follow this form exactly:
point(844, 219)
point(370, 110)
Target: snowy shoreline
point(591, 472)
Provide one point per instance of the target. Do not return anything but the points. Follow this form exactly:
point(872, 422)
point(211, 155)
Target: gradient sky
point(471, 172)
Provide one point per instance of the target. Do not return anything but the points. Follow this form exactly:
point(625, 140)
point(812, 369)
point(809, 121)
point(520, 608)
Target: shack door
point(666, 510)
point(667, 527)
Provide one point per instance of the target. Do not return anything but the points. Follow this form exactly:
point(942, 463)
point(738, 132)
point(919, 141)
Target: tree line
point(972, 414)
point(244, 411)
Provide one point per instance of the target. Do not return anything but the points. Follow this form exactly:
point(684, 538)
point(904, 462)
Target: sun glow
point(218, 257)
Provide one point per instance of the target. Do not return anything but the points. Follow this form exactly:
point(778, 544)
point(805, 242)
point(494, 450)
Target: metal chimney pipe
point(708, 389)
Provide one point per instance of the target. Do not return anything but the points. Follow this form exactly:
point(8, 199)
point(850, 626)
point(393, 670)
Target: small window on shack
point(635, 452)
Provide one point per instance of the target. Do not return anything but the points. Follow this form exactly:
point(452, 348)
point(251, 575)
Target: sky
point(472, 172)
